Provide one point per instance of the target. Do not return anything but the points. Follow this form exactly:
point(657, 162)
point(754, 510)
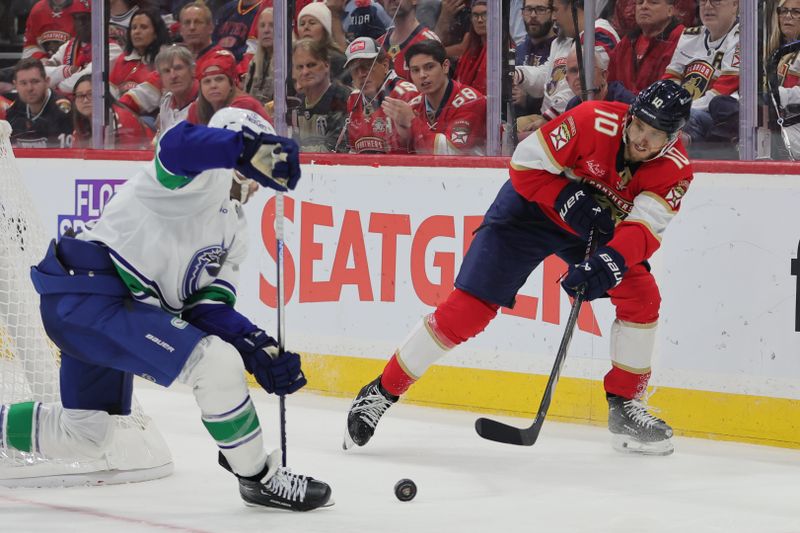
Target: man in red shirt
point(369, 129)
point(600, 165)
point(642, 56)
point(448, 118)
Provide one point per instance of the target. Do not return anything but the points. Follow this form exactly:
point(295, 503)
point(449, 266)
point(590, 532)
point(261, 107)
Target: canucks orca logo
point(204, 266)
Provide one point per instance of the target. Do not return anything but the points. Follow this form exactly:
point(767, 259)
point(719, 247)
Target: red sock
point(394, 379)
point(625, 384)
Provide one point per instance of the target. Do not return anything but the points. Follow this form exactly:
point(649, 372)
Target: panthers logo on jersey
point(697, 78)
point(203, 268)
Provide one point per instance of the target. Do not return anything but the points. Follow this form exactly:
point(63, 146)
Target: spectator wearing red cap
point(217, 75)
point(47, 28)
point(74, 58)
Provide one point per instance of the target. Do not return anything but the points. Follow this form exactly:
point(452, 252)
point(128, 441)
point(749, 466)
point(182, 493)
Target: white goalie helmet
point(234, 118)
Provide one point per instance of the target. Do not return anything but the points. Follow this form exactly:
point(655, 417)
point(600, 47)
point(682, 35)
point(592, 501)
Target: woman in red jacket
point(146, 35)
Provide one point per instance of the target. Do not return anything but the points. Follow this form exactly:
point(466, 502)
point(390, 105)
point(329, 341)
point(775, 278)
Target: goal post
point(29, 361)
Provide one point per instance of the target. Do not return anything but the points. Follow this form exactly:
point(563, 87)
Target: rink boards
point(370, 248)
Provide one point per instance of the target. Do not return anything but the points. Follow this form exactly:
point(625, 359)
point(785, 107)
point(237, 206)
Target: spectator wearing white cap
point(315, 22)
point(369, 129)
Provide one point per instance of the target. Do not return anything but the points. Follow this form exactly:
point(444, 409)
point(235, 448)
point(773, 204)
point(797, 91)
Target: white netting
point(29, 361)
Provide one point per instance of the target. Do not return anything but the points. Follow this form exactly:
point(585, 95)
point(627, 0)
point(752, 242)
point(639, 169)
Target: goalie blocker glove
point(601, 272)
point(278, 373)
point(577, 207)
point(271, 160)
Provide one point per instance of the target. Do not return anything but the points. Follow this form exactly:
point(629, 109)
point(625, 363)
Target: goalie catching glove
point(271, 160)
point(278, 373)
point(602, 271)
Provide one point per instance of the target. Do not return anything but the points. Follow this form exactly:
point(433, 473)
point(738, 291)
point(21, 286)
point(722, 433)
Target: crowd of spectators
point(375, 76)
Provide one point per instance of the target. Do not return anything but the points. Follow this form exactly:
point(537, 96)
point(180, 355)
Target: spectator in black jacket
point(37, 118)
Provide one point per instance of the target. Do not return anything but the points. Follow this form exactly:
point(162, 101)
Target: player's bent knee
point(214, 363)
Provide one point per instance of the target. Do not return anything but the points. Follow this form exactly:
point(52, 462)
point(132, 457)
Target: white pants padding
point(215, 372)
point(72, 433)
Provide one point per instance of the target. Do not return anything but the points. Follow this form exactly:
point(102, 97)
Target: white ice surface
point(570, 481)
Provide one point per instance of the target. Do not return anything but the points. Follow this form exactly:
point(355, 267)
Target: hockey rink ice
point(569, 481)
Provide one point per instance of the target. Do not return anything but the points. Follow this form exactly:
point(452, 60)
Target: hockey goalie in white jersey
point(149, 290)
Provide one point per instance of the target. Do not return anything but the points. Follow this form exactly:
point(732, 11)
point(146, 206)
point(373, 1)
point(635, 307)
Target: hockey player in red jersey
point(448, 118)
point(369, 129)
point(603, 167)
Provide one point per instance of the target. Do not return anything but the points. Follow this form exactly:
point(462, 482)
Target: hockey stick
point(579, 54)
point(280, 306)
point(498, 431)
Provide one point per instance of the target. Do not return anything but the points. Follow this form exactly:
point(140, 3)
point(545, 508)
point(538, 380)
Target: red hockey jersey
point(128, 72)
point(369, 129)
point(585, 145)
point(46, 30)
point(457, 127)
point(398, 51)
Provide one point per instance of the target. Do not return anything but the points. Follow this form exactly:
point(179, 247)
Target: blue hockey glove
point(278, 373)
point(601, 272)
point(577, 207)
point(271, 160)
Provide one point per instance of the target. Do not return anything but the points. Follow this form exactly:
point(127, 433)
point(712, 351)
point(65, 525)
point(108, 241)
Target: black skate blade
point(499, 432)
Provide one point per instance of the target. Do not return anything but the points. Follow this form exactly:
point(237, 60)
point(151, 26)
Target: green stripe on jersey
point(214, 293)
point(133, 283)
point(167, 178)
point(240, 425)
point(19, 427)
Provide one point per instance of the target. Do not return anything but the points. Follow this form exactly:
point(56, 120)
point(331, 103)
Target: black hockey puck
point(405, 490)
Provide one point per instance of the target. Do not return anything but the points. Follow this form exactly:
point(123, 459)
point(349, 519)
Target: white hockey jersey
point(550, 80)
point(706, 68)
point(175, 242)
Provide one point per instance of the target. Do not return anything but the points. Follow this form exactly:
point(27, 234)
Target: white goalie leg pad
point(422, 348)
point(632, 345)
point(72, 433)
point(215, 372)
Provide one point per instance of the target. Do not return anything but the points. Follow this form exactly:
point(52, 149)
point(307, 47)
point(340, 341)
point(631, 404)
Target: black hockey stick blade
point(499, 432)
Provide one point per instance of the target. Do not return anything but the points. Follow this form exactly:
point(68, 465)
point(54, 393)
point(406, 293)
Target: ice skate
point(635, 430)
point(365, 412)
point(282, 489)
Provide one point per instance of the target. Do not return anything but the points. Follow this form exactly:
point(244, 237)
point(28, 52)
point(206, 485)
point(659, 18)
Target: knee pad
point(215, 372)
point(216, 361)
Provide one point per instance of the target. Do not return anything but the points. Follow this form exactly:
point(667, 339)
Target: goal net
point(29, 361)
